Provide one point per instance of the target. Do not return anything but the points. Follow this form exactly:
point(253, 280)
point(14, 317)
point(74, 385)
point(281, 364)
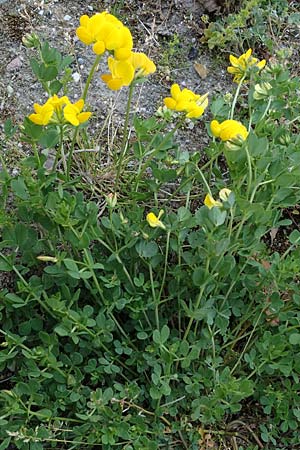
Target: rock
point(15, 64)
point(76, 77)
point(67, 18)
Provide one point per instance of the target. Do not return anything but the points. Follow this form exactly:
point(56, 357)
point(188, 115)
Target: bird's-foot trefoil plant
point(160, 310)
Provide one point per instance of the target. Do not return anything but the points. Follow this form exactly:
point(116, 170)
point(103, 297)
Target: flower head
point(142, 65)
point(240, 66)
point(224, 194)
point(154, 221)
point(228, 130)
point(121, 73)
point(105, 32)
point(73, 113)
point(57, 102)
point(187, 101)
point(210, 202)
point(42, 114)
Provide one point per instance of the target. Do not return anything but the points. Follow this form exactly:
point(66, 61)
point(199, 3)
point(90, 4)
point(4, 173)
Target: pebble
point(9, 90)
point(15, 64)
point(67, 17)
point(90, 8)
point(76, 77)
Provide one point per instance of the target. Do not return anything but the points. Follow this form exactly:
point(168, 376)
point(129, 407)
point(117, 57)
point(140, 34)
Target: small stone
point(67, 17)
point(80, 60)
point(41, 12)
point(9, 90)
point(90, 8)
point(15, 64)
point(76, 77)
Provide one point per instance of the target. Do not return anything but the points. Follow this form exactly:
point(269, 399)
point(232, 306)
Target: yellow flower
point(154, 221)
point(43, 114)
point(121, 73)
point(73, 113)
point(142, 65)
point(224, 194)
point(210, 202)
point(228, 130)
point(187, 101)
point(239, 66)
point(57, 102)
point(105, 32)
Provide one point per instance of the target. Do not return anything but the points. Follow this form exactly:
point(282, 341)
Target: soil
point(169, 31)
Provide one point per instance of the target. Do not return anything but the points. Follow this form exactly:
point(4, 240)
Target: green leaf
point(294, 237)
point(217, 216)
point(34, 64)
point(48, 73)
point(5, 443)
point(294, 339)
point(164, 334)
point(55, 87)
point(19, 188)
point(49, 138)
point(147, 249)
point(156, 337)
point(15, 300)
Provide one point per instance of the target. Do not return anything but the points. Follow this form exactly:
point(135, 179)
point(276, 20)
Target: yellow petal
point(210, 202)
point(215, 128)
point(170, 103)
point(99, 48)
point(175, 91)
point(154, 221)
point(84, 116)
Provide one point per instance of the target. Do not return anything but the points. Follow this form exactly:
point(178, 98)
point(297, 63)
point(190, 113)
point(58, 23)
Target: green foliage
point(116, 333)
point(256, 23)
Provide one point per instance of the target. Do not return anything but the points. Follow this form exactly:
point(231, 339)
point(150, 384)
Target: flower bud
point(47, 258)
point(262, 91)
point(224, 194)
point(31, 40)
point(111, 199)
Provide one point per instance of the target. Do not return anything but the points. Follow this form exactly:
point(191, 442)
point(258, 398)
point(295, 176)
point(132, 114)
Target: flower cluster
point(240, 66)
point(59, 110)
point(186, 100)
point(210, 202)
point(229, 130)
point(107, 33)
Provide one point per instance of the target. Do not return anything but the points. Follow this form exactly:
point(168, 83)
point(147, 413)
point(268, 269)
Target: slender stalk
point(124, 145)
point(236, 96)
point(250, 173)
point(84, 95)
point(198, 301)
point(90, 77)
point(166, 265)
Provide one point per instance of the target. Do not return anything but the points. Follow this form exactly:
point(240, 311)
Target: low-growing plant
point(257, 23)
point(155, 316)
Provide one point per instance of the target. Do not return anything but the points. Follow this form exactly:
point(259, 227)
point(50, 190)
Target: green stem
point(250, 173)
point(198, 301)
point(61, 149)
point(84, 95)
point(164, 276)
point(124, 145)
point(236, 96)
point(90, 77)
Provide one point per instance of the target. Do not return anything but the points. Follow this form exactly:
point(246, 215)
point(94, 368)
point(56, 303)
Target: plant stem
point(84, 95)
point(124, 145)
point(236, 96)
